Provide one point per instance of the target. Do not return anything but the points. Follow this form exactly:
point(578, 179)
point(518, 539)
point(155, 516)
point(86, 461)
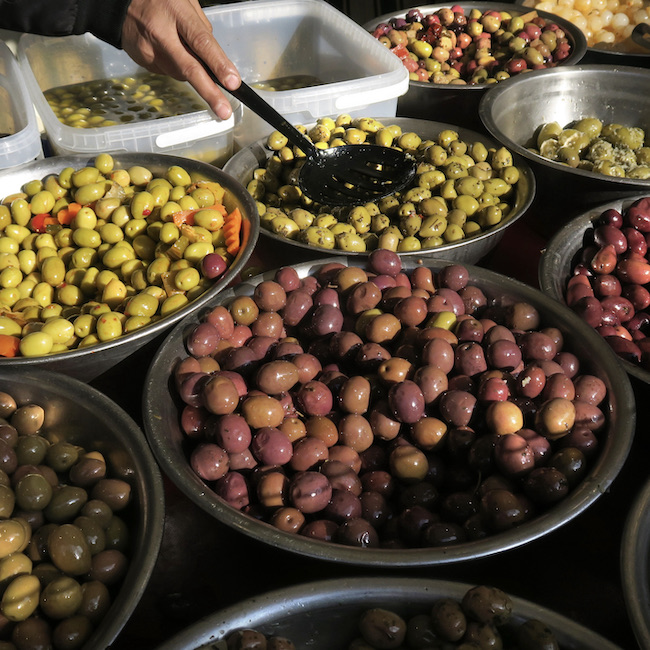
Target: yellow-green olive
point(109, 326)
point(42, 202)
point(21, 598)
point(139, 175)
point(20, 211)
point(36, 344)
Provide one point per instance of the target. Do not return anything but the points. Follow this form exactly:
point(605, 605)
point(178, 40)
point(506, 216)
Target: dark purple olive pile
point(608, 287)
point(377, 408)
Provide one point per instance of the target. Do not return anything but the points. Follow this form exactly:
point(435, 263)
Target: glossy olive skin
point(390, 432)
point(482, 617)
point(61, 542)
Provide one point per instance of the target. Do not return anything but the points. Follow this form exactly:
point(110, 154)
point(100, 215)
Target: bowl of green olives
point(454, 54)
point(467, 191)
point(340, 410)
point(100, 255)
point(82, 506)
point(387, 612)
point(584, 130)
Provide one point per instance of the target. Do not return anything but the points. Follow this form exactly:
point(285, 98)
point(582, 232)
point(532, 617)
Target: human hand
point(167, 36)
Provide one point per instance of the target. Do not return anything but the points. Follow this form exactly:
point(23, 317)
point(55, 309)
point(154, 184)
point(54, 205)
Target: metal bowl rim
point(260, 611)
point(635, 545)
point(585, 494)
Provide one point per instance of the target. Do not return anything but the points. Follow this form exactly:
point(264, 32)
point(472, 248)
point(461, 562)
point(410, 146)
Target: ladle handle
point(247, 96)
point(641, 35)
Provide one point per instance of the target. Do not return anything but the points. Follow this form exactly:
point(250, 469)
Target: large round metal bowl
point(83, 416)
point(88, 363)
point(325, 614)
point(635, 566)
point(242, 165)
point(161, 424)
point(513, 111)
point(556, 261)
point(459, 103)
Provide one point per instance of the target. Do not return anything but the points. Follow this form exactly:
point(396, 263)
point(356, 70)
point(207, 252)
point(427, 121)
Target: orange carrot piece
point(40, 222)
point(184, 216)
point(9, 345)
point(66, 215)
point(231, 230)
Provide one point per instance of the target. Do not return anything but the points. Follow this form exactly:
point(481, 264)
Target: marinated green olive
point(451, 174)
point(587, 143)
point(96, 238)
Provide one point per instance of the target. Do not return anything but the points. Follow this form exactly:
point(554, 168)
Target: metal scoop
point(641, 35)
point(346, 175)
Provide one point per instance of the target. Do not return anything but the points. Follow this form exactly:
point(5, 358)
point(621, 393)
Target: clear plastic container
point(52, 62)
point(20, 139)
point(276, 39)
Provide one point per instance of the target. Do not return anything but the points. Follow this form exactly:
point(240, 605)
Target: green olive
point(68, 549)
point(14, 536)
point(21, 598)
point(139, 175)
point(7, 501)
point(61, 597)
point(42, 202)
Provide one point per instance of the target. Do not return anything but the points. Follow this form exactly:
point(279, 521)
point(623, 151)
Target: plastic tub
point(271, 39)
point(52, 62)
point(20, 140)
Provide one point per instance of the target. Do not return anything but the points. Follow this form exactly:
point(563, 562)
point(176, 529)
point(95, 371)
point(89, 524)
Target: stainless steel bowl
point(556, 261)
point(325, 614)
point(88, 363)
point(459, 103)
point(512, 112)
point(82, 415)
point(242, 165)
point(635, 566)
point(161, 425)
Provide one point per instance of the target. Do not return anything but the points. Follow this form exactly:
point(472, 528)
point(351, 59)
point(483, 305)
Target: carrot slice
point(40, 222)
point(66, 215)
point(231, 229)
point(9, 345)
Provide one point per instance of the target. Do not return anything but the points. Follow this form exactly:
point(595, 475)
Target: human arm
point(160, 35)
point(166, 36)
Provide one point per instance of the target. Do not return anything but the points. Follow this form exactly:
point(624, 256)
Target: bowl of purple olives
point(598, 265)
point(387, 612)
point(387, 411)
point(455, 53)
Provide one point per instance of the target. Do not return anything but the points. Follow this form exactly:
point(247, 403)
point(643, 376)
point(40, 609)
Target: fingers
point(174, 37)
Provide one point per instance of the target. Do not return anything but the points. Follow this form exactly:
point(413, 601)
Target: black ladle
point(641, 35)
point(346, 175)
